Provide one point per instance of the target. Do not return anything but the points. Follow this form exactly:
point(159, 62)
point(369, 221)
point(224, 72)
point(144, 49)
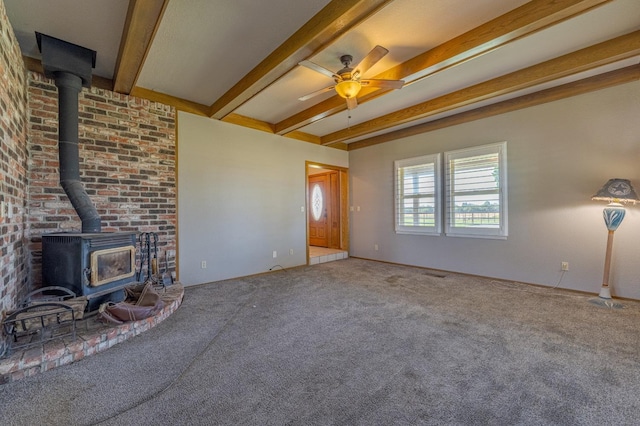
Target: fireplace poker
point(141, 265)
point(149, 270)
point(154, 262)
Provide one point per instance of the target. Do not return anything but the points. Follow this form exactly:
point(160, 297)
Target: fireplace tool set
point(148, 268)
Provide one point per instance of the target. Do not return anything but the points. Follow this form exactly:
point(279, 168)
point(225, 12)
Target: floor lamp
point(617, 192)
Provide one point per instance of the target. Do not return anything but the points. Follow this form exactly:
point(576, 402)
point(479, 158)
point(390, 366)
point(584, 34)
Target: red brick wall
point(127, 165)
point(13, 168)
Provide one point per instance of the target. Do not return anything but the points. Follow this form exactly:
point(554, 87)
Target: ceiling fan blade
point(370, 60)
point(316, 93)
point(383, 84)
point(318, 68)
point(352, 103)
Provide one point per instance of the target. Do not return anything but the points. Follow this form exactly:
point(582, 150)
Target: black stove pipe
point(70, 66)
point(69, 86)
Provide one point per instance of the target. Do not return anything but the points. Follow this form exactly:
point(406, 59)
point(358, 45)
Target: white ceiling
point(206, 46)
point(94, 24)
point(201, 49)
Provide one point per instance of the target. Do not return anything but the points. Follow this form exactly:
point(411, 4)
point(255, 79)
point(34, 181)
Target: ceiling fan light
point(348, 88)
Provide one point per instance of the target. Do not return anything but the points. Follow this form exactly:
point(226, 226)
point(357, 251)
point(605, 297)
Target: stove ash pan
point(95, 265)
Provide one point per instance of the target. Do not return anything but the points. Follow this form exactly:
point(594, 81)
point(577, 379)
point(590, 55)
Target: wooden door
point(318, 210)
point(333, 209)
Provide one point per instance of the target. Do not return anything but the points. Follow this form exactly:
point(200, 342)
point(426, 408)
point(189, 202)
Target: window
point(417, 201)
point(316, 202)
point(476, 191)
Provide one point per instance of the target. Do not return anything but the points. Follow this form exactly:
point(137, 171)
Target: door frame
point(324, 229)
point(343, 199)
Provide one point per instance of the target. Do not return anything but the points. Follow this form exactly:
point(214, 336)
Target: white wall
point(239, 197)
point(559, 155)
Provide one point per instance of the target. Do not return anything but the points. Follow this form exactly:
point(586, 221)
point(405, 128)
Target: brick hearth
point(92, 337)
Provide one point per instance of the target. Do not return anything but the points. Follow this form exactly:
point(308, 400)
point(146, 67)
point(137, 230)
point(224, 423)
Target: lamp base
point(605, 292)
point(604, 302)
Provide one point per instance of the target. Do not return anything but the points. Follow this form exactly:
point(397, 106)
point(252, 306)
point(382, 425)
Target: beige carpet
point(355, 342)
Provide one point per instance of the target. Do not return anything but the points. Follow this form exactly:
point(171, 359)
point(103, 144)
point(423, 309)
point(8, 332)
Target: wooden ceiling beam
point(306, 137)
point(327, 25)
point(177, 103)
point(141, 24)
point(249, 122)
point(619, 48)
point(522, 21)
point(264, 126)
point(301, 136)
point(590, 84)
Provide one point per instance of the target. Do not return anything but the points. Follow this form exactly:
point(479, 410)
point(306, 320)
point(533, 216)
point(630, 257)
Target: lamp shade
point(618, 191)
point(348, 88)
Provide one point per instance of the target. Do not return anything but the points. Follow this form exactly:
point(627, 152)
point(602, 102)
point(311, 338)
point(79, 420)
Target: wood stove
point(95, 265)
point(91, 263)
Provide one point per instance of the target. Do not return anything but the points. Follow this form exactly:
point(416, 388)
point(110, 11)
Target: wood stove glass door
point(112, 264)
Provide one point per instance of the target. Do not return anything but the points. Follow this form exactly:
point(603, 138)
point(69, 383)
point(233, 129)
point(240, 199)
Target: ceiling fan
point(349, 80)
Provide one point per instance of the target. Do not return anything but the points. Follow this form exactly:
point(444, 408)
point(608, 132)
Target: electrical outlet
point(275, 254)
point(203, 264)
point(375, 247)
point(564, 266)
point(291, 252)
